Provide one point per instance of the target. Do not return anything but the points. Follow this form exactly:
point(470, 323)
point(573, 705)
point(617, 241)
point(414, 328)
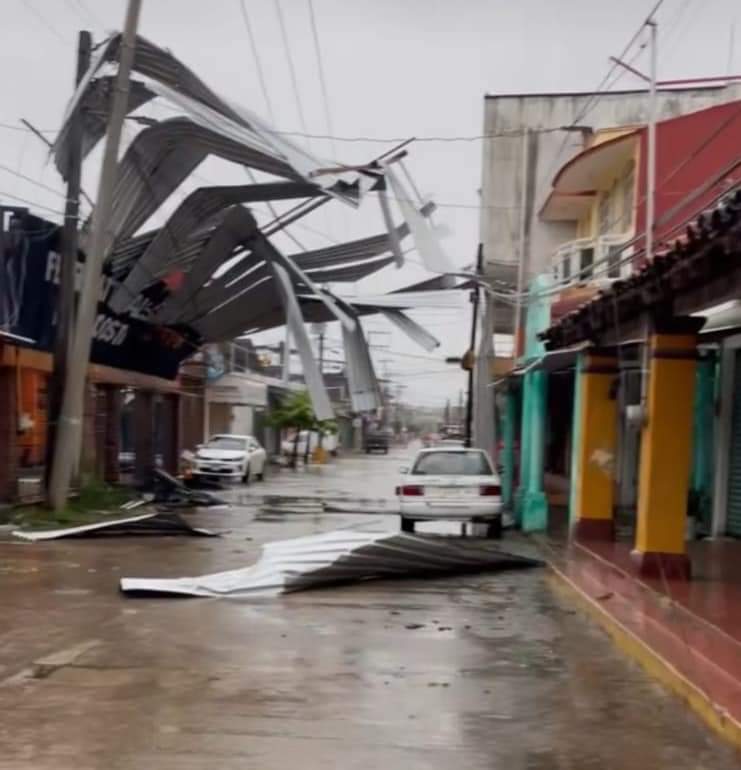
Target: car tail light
point(412, 490)
point(490, 490)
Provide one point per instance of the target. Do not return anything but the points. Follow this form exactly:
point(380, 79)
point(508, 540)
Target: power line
point(30, 203)
point(44, 21)
point(604, 83)
point(291, 67)
point(322, 78)
point(32, 181)
point(258, 63)
point(398, 139)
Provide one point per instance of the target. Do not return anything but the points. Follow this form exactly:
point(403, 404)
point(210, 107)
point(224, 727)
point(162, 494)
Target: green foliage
point(295, 411)
point(95, 501)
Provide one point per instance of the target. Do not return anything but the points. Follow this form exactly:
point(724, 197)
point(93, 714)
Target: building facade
point(617, 451)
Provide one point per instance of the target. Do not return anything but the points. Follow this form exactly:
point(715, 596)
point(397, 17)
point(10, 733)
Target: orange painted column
point(595, 434)
point(666, 453)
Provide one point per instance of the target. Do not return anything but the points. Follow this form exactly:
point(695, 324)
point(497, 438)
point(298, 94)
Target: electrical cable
point(291, 67)
point(258, 63)
point(322, 78)
point(603, 85)
point(44, 21)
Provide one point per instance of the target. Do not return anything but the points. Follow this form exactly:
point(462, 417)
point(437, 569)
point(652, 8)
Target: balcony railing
point(592, 260)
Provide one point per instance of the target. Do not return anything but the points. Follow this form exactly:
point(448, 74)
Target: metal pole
point(651, 154)
point(472, 347)
point(650, 199)
point(70, 421)
point(522, 235)
point(66, 292)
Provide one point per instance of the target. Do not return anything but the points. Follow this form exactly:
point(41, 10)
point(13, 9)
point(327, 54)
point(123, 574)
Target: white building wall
point(502, 176)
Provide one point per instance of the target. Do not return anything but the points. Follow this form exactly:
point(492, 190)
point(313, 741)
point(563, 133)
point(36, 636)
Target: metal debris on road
point(336, 557)
point(144, 524)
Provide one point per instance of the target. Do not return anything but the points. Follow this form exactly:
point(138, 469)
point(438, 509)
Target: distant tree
point(295, 412)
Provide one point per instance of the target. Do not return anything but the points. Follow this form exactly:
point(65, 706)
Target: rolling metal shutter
point(733, 524)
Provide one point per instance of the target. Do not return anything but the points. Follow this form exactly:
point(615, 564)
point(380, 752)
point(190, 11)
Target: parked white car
point(329, 442)
point(228, 456)
point(451, 483)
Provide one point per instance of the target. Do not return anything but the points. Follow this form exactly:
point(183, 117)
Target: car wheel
point(494, 529)
point(407, 525)
point(246, 476)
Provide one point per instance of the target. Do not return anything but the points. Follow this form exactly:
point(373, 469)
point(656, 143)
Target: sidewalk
point(687, 634)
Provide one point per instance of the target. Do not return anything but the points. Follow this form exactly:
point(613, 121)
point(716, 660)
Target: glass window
point(226, 442)
point(472, 463)
point(567, 268)
point(614, 255)
point(586, 260)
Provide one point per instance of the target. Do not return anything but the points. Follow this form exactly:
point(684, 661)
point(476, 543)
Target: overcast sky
point(394, 68)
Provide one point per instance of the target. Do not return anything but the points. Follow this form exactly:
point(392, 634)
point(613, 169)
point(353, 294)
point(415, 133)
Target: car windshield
point(452, 464)
point(227, 442)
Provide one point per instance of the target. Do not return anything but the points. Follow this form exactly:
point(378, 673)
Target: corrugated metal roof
point(341, 556)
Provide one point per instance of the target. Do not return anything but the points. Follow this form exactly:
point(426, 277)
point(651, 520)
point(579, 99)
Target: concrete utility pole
point(474, 323)
point(522, 236)
point(651, 159)
point(69, 428)
point(66, 291)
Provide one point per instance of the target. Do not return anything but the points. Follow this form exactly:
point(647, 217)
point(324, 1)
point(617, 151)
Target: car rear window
point(226, 442)
point(452, 464)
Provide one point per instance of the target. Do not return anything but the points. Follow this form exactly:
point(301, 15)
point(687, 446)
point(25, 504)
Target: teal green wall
point(575, 436)
point(531, 505)
point(508, 430)
point(701, 479)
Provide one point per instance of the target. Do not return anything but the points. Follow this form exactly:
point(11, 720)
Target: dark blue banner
point(29, 283)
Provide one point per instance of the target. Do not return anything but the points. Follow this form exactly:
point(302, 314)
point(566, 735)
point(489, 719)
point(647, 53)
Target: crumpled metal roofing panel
point(413, 330)
point(348, 273)
point(334, 557)
point(196, 211)
point(294, 320)
point(365, 394)
point(170, 79)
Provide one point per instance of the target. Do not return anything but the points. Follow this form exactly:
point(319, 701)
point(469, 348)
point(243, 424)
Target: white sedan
point(451, 483)
point(227, 456)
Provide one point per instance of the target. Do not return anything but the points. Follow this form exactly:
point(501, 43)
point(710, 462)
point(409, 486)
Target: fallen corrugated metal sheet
point(337, 557)
point(145, 524)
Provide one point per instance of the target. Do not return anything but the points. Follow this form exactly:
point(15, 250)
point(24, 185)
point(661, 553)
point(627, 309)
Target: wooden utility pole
point(66, 291)
point(69, 427)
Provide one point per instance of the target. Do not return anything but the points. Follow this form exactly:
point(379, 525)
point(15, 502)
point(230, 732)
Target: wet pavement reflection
point(482, 671)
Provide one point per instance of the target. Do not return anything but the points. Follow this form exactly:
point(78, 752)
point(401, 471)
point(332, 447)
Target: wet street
point(486, 671)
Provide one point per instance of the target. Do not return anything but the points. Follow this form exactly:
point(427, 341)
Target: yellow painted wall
point(595, 472)
point(666, 445)
point(608, 134)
